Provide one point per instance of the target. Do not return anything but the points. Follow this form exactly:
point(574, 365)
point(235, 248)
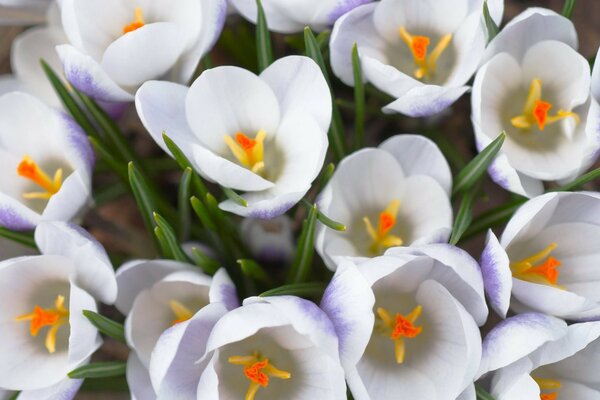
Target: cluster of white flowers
point(403, 311)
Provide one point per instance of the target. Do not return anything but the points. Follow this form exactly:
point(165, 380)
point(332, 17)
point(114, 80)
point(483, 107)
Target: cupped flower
point(44, 334)
point(547, 258)
point(23, 12)
point(277, 348)
point(394, 195)
point(270, 241)
point(407, 322)
point(536, 356)
point(536, 88)
point(117, 45)
point(47, 162)
point(286, 16)
point(156, 295)
point(266, 135)
point(420, 52)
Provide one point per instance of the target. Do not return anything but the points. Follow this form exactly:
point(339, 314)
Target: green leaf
point(99, 370)
point(492, 218)
point(300, 270)
point(24, 238)
point(464, 217)
point(203, 214)
point(263, 39)
point(568, 8)
point(323, 39)
point(106, 325)
point(469, 175)
point(482, 394)
point(579, 182)
point(233, 196)
point(146, 203)
point(183, 204)
point(168, 238)
point(117, 166)
point(324, 219)
point(359, 100)
point(208, 265)
point(14, 396)
point(336, 131)
point(490, 24)
point(326, 174)
point(307, 289)
point(184, 163)
point(252, 269)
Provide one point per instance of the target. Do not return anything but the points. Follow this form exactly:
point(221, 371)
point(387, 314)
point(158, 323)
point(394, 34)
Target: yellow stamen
point(249, 152)
point(42, 317)
point(539, 268)
point(426, 65)
point(536, 111)
point(182, 313)
point(399, 328)
point(548, 384)
point(28, 169)
point(382, 238)
point(137, 23)
point(258, 370)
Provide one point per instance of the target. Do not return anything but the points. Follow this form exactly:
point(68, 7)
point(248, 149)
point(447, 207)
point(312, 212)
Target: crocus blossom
point(420, 52)
point(536, 356)
point(44, 333)
point(546, 258)
point(289, 17)
point(407, 322)
point(395, 195)
point(536, 88)
point(117, 45)
point(156, 295)
point(265, 135)
point(279, 347)
point(47, 162)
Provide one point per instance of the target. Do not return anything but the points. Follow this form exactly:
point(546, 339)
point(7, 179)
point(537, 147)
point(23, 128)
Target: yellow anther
point(426, 65)
point(249, 152)
point(28, 169)
point(258, 370)
point(400, 327)
point(182, 313)
point(137, 23)
point(549, 385)
point(42, 317)
point(539, 268)
point(382, 238)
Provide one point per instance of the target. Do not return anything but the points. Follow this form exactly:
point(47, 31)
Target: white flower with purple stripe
point(396, 315)
point(265, 135)
point(420, 52)
point(547, 259)
point(117, 45)
point(47, 162)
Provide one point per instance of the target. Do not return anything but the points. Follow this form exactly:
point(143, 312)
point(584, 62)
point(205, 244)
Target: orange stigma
point(137, 23)
point(539, 268)
point(258, 371)
point(182, 313)
point(418, 45)
point(249, 152)
point(549, 396)
point(28, 169)
point(399, 328)
point(548, 385)
point(52, 317)
point(381, 237)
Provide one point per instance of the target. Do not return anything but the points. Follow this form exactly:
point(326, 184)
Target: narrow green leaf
point(263, 39)
point(163, 243)
point(233, 196)
point(184, 163)
point(490, 24)
point(113, 384)
point(307, 289)
point(323, 40)
point(14, 396)
point(464, 217)
point(300, 270)
point(170, 238)
point(24, 238)
point(324, 219)
point(106, 325)
point(336, 131)
point(492, 218)
point(109, 193)
point(183, 204)
point(252, 269)
point(146, 203)
point(326, 174)
point(99, 370)
point(359, 100)
point(482, 394)
point(208, 265)
point(202, 213)
point(469, 175)
point(117, 166)
point(568, 8)
point(579, 182)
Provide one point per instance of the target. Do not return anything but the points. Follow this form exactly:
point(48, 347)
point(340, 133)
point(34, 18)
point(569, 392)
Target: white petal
point(84, 339)
point(138, 379)
point(497, 277)
point(222, 290)
point(425, 101)
point(74, 196)
point(64, 390)
point(16, 216)
point(514, 382)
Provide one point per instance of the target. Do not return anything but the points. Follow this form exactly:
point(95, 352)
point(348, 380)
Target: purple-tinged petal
point(223, 290)
point(15, 216)
point(497, 277)
point(425, 100)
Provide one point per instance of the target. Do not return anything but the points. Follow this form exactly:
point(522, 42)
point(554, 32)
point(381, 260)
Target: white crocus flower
point(279, 347)
point(536, 356)
point(266, 135)
point(536, 88)
point(23, 12)
point(407, 323)
point(420, 52)
point(289, 17)
point(547, 258)
point(117, 45)
point(395, 195)
point(270, 241)
point(156, 295)
point(48, 163)
point(44, 334)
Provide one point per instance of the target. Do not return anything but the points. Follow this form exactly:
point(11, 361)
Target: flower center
point(426, 64)
point(399, 328)
point(258, 370)
point(382, 238)
point(137, 23)
point(549, 385)
point(42, 317)
point(536, 111)
point(249, 152)
point(539, 268)
point(182, 313)
point(30, 170)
